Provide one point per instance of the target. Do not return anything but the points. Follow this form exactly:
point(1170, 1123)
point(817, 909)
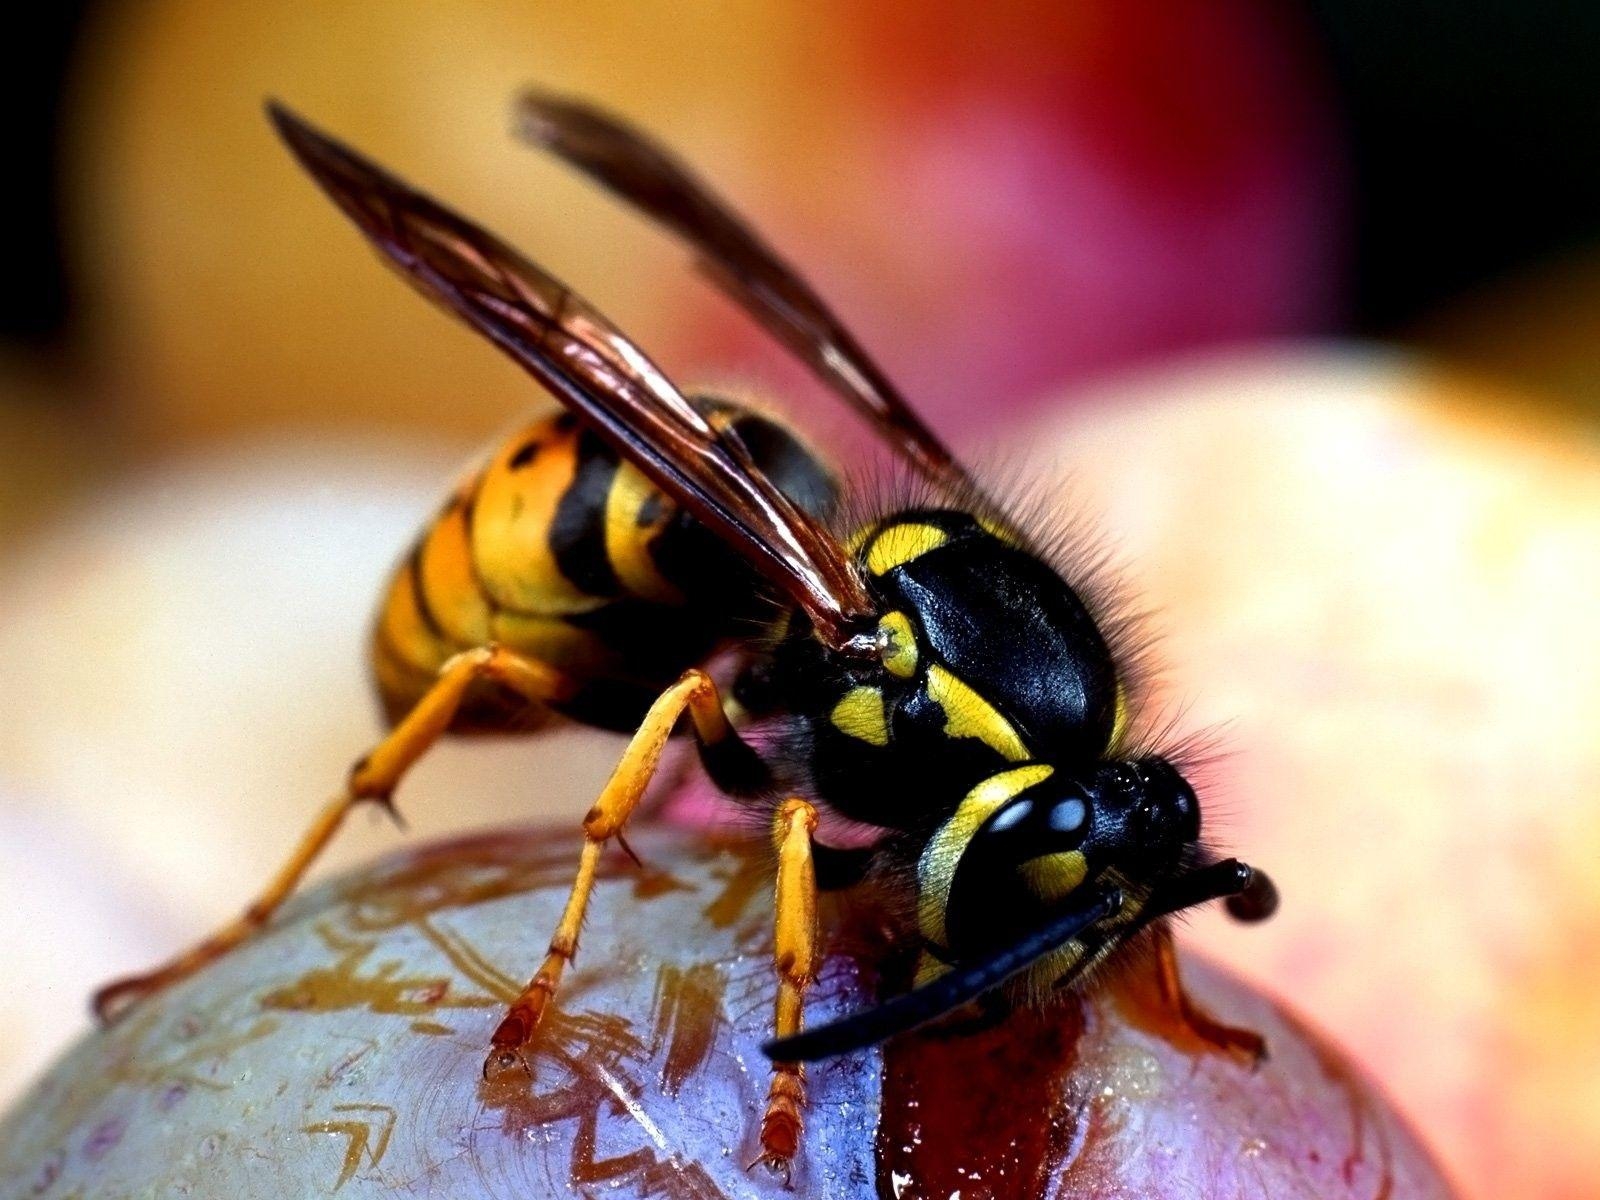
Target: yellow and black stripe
point(562, 552)
point(989, 661)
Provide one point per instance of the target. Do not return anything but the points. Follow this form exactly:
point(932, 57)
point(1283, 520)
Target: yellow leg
point(373, 778)
point(694, 692)
point(794, 954)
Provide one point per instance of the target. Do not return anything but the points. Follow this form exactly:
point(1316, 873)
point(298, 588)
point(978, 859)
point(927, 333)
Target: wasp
point(931, 673)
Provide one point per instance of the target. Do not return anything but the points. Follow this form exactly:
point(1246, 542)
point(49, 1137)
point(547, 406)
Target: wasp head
point(1036, 835)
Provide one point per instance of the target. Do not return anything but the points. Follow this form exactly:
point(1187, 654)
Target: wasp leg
point(1244, 1043)
point(373, 778)
point(794, 955)
point(695, 693)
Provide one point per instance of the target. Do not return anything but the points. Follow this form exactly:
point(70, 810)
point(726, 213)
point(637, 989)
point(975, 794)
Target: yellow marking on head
point(937, 866)
point(1119, 719)
point(929, 968)
point(967, 714)
point(900, 649)
point(899, 544)
point(1052, 876)
point(860, 715)
point(630, 533)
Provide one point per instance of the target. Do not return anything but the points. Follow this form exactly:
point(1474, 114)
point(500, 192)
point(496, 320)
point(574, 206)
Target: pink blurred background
point(1249, 295)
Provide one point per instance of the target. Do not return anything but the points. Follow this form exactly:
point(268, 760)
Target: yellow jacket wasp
point(933, 675)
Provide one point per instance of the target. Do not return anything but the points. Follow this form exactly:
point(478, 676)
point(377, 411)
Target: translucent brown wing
point(592, 367)
point(634, 167)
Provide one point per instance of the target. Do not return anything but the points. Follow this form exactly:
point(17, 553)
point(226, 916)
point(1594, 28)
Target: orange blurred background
point(1255, 291)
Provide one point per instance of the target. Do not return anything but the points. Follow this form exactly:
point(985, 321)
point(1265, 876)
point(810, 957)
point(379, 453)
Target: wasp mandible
point(933, 674)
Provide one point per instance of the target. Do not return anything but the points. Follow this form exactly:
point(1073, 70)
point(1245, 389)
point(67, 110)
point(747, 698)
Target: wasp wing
point(594, 369)
point(642, 172)
point(948, 992)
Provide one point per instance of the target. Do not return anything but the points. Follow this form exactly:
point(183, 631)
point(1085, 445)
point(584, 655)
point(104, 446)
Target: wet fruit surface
point(340, 1053)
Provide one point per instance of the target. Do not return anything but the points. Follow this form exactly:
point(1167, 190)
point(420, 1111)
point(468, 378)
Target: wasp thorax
point(984, 658)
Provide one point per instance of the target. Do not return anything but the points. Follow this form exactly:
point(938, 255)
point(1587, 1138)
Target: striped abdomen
point(563, 553)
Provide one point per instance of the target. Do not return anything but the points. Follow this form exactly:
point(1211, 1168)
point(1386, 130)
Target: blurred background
point(1299, 302)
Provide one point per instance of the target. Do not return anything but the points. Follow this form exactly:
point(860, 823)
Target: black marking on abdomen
point(650, 511)
point(525, 454)
point(618, 705)
point(654, 642)
point(578, 528)
point(735, 767)
point(420, 594)
point(839, 867)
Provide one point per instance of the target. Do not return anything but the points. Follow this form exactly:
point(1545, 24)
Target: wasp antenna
point(1256, 901)
point(948, 992)
point(1251, 894)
